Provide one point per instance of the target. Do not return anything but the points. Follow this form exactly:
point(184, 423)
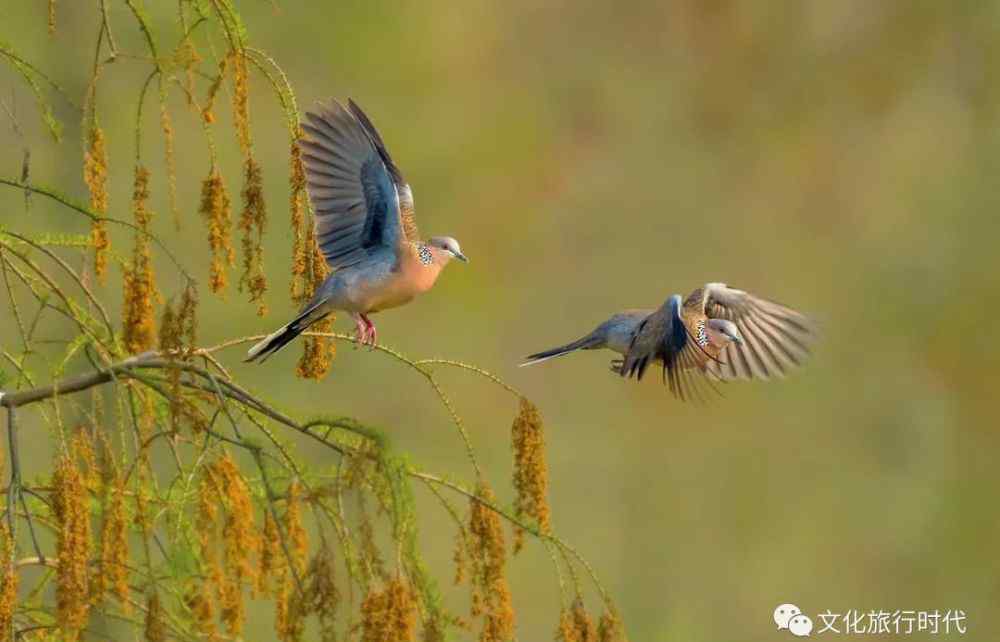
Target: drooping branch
point(210, 383)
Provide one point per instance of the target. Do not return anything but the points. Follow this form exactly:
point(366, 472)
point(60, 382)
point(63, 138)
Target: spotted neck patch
point(701, 337)
point(424, 255)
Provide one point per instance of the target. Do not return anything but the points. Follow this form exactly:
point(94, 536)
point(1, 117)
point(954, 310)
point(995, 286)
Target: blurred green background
point(840, 157)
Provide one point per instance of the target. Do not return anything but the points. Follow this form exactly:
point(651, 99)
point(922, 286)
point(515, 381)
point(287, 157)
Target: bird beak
point(737, 339)
point(461, 257)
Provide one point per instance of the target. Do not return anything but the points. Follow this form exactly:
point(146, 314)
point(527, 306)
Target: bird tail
point(586, 343)
point(284, 335)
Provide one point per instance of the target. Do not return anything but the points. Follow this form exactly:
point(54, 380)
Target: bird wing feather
point(402, 187)
point(686, 376)
point(775, 337)
point(351, 186)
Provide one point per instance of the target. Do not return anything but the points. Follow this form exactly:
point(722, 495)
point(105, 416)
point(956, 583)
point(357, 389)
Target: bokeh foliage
point(174, 501)
point(837, 156)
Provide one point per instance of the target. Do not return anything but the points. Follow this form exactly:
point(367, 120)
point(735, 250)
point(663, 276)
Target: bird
point(717, 333)
point(365, 227)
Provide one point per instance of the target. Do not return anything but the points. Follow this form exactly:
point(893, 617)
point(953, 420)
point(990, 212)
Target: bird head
point(444, 249)
point(722, 332)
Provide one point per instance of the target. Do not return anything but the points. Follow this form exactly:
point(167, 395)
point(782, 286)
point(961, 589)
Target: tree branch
point(71, 384)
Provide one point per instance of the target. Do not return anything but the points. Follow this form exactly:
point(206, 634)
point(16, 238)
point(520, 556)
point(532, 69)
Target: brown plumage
point(722, 333)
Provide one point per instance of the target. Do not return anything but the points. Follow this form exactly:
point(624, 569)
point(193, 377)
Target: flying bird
point(364, 225)
point(718, 333)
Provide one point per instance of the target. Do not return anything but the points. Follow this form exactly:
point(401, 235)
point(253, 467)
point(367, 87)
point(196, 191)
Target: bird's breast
point(704, 350)
point(400, 285)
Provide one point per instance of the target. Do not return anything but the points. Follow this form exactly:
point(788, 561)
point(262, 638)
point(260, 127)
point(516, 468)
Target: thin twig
point(14, 488)
point(94, 216)
point(73, 274)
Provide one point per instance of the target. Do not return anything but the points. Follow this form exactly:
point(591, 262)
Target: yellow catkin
point(227, 577)
point(566, 631)
point(179, 325)
point(111, 574)
point(170, 345)
point(288, 627)
point(166, 125)
point(389, 615)
point(188, 318)
point(140, 287)
point(241, 100)
point(232, 610)
point(198, 600)
point(155, 629)
point(301, 276)
point(610, 628)
point(459, 556)
point(188, 59)
point(8, 583)
point(319, 597)
point(487, 554)
point(368, 550)
point(115, 561)
point(253, 220)
point(294, 528)
point(240, 542)
point(178, 336)
point(318, 352)
point(434, 630)
point(70, 505)
point(143, 473)
point(270, 554)
point(581, 623)
point(322, 594)
point(531, 477)
point(200, 597)
point(83, 449)
point(217, 211)
point(95, 175)
point(52, 17)
point(207, 113)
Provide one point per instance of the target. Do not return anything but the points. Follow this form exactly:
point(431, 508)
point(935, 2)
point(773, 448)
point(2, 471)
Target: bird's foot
point(360, 332)
point(371, 334)
point(617, 365)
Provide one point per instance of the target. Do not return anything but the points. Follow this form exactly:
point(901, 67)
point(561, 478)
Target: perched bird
point(719, 332)
point(365, 227)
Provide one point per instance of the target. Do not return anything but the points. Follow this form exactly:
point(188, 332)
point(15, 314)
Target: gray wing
point(402, 187)
point(661, 336)
point(649, 342)
point(776, 338)
point(351, 186)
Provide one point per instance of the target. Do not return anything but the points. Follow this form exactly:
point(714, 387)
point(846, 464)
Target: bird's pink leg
point(372, 334)
point(361, 330)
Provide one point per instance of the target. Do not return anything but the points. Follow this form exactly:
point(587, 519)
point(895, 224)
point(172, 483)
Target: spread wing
point(662, 336)
point(775, 338)
point(402, 187)
point(351, 186)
